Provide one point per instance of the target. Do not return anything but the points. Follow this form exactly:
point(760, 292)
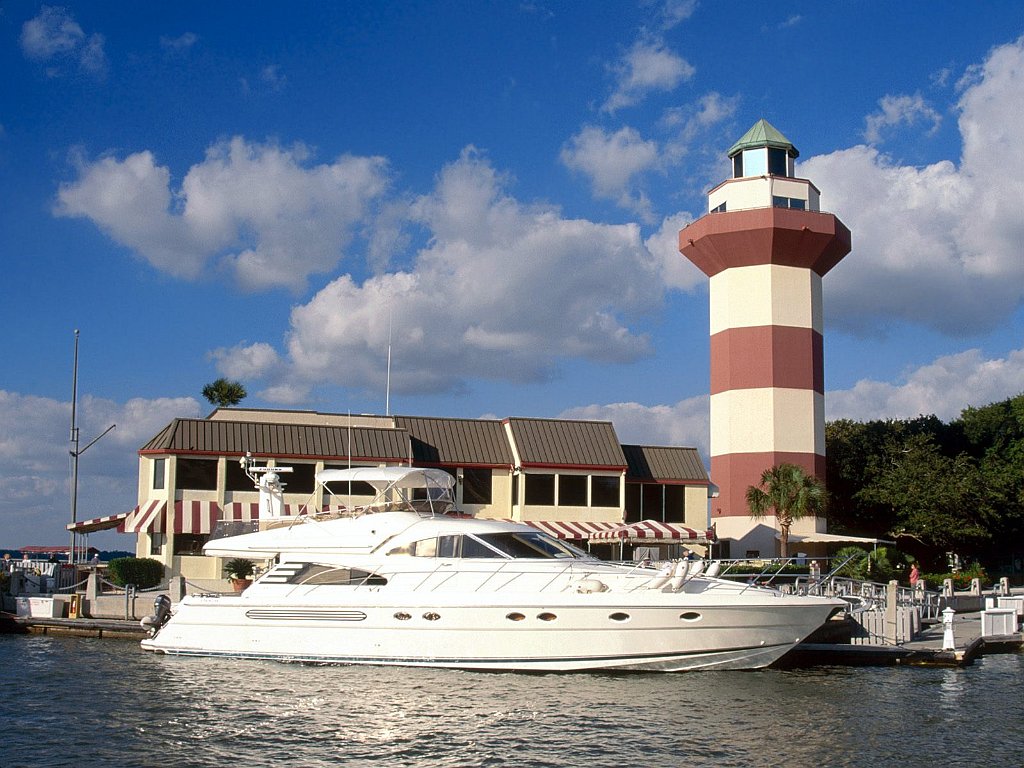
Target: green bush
point(239, 568)
point(961, 579)
point(143, 572)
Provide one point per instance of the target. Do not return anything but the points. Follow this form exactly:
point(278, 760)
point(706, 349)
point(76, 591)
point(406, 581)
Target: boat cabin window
point(533, 545)
point(316, 573)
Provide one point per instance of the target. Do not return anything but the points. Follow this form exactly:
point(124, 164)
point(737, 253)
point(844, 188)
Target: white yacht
point(407, 580)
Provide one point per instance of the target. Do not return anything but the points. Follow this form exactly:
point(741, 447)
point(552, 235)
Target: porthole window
point(619, 616)
point(515, 617)
point(431, 616)
point(546, 616)
point(402, 616)
point(690, 616)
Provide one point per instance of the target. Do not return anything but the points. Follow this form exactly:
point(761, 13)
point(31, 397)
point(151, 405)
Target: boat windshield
point(533, 545)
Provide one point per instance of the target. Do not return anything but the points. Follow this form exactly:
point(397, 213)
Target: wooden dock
point(105, 628)
point(925, 650)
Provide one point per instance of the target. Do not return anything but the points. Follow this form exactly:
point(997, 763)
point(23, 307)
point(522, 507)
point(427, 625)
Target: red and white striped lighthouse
point(765, 246)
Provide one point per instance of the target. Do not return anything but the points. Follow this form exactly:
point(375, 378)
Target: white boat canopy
point(382, 478)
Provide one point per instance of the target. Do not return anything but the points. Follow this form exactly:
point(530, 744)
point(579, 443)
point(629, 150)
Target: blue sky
point(209, 189)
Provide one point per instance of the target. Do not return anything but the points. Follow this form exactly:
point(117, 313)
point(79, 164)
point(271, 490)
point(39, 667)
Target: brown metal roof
point(292, 440)
point(480, 442)
point(664, 464)
point(559, 443)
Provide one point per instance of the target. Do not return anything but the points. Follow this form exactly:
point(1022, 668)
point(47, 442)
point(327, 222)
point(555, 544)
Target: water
point(85, 702)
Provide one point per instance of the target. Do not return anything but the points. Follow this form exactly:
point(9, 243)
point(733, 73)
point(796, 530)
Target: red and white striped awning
point(578, 529)
point(148, 517)
point(99, 523)
point(246, 511)
point(651, 530)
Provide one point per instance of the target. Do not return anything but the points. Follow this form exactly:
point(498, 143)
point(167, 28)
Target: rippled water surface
point(84, 702)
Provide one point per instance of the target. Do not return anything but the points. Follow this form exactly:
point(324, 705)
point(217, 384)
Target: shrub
point(143, 572)
point(239, 568)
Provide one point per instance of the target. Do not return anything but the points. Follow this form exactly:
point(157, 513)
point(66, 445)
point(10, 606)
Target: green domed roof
point(763, 134)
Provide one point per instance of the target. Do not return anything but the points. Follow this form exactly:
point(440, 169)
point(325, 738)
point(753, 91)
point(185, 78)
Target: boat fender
point(693, 568)
point(587, 586)
point(664, 574)
point(678, 575)
point(161, 614)
point(714, 569)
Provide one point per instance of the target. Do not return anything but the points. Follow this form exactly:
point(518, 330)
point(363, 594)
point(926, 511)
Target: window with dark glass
point(572, 490)
point(159, 473)
point(720, 208)
point(234, 478)
point(515, 489)
point(189, 543)
point(653, 502)
point(476, 486)
point(358, 488)
point(301, 479)
point(737, 165)
point(156, 543)
point(540, 490)
point(776, 162)
point(197, 474)
point(632, 502)
point(675, 504)
point(604, 491)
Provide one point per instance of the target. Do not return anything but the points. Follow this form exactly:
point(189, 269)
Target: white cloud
point(612, 161)
point(674, 12)
point(943, 388)
point(938, 245)
point(502, 291)
point(899, 110)
point(180, 43)
point(677, 272)
point(55, 38)
point(260, 210)
point(246, 362)
point(648, 66)
point(686, 423)
point(35, 467)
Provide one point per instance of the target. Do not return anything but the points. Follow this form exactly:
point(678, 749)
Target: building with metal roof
point(570, 478)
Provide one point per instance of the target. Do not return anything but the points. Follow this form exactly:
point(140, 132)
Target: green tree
point(940, 501)
point(224, 392)
point(789, 493)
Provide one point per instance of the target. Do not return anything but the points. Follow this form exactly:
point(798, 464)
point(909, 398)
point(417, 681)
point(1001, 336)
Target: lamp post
point(76, 451)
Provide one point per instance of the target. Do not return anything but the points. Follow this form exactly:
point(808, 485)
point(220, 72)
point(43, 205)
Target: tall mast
point(74, 450)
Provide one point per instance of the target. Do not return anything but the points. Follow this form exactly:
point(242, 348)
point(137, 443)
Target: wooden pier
point(925, 650)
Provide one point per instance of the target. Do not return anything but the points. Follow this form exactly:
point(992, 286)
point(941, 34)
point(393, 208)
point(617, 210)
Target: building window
point(302, 478)
point(572, 490)
point(159, 474)
point(653, 502)
point(189, 543)
point(540, 490)
point(515, 489)
point(476, 486)
point(197, 474)
point(235, 478)
point(604, 491)
point(776, 162)
point(789, 202)
point(633, 502)
point(737, 165)
point(675, 504)
point(720, 208)
point(156, 541)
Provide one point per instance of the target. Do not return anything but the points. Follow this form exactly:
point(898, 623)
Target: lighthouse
point(765, 244)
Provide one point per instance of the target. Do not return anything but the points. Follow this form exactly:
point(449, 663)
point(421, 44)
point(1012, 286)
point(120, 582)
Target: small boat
point(408, 580)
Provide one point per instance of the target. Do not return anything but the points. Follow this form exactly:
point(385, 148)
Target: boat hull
point(600, 635)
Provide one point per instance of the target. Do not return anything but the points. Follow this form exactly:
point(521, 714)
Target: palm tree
point(224, 392)
point(789, 493)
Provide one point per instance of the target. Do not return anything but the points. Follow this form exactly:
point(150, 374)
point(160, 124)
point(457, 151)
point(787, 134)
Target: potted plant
point(239, 571)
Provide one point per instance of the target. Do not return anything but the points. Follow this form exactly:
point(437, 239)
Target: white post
point(948, 641)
